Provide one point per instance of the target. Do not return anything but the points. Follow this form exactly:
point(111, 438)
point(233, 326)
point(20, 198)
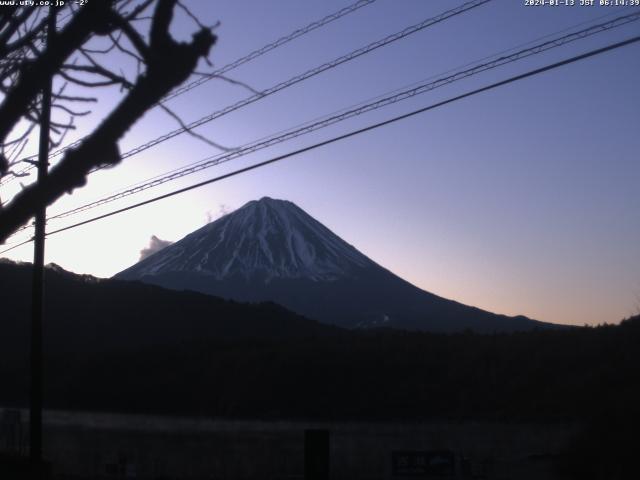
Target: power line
point(377, 97)
point(492, 86)
point(234, 64)
point(16, 246)
point(271, 46)
point(503, 52)
point(306, 75)
point(327, 121)
point(309, 74)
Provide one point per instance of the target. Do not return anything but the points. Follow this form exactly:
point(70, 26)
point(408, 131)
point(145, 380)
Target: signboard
point(423, 463)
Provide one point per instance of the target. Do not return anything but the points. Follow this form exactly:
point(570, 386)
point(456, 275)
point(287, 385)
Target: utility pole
point(37, 302)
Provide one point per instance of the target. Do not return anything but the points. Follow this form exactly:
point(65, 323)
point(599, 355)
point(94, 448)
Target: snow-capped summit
point(271, 250)
point(265, 239)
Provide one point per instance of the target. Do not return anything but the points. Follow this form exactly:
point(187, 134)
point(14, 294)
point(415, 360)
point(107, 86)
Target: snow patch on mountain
point(264, 239)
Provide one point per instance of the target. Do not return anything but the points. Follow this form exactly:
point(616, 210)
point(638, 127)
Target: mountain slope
point(264, 240)
point(272, 250)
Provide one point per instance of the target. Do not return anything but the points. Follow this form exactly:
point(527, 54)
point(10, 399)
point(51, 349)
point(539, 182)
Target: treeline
point(119, 346)
point(566, 375)
point(585, 376)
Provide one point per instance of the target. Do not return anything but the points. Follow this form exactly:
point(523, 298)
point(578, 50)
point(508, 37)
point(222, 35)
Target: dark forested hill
point(130, 347)
point(85, 313)
point(544, 376)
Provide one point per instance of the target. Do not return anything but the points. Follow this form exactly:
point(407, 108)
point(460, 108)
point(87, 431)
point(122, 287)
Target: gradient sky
point(522, 200)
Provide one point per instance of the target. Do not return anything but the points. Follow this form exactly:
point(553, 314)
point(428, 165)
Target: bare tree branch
point(168, 64)
point(34, 73)
point(190, 131)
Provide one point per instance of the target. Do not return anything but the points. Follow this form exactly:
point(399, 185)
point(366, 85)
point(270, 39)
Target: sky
point(520, 200)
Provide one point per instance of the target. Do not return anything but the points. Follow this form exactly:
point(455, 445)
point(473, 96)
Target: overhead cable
point(235, 64)
point(325, 122)
point(353, 133)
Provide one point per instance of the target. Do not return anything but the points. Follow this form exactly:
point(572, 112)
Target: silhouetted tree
point(137, 29)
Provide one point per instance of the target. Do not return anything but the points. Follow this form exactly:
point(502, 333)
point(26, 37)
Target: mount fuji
point(271, 250)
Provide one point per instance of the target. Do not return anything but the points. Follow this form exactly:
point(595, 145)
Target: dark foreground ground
point(540, 405)
point(552, 404)
point(112, 446)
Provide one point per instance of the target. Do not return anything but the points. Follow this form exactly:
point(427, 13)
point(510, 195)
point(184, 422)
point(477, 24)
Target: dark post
point(316, 455)
point(37, 302)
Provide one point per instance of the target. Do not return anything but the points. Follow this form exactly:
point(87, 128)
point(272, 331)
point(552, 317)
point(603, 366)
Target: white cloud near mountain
point(155, 245)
